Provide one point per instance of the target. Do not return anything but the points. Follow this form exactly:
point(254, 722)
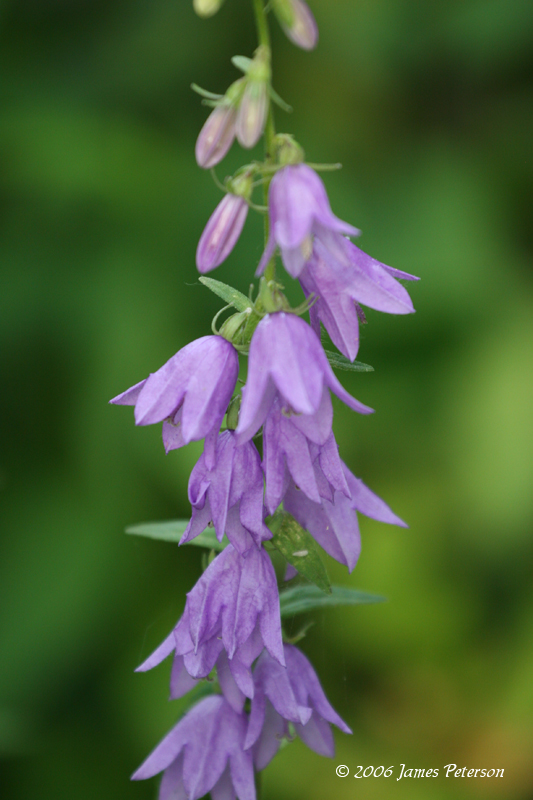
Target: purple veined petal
point(290, 572)
point(303, 31)
point(220, 481)
point(399, 274)
point(299, 461)
point(316, 427)
point(373, 285)
point(172, 433)
point(205, 756)
point(317, 735)
point(267, 254)
point(268, 744)
point(240, 538)
point(221, 232)
point(160, 653)
point(334, 307)
point(256, 719)
point(242, 774)
point(337, 388)
point(210, 595)
point(200, 663)
point(294, 197)
point(199, 521)
point(231, 691)
point(216, 136)
point(276, 685)
point(172, 787)
point(223, 788)
point(368, 503)
point(307, 687)
point(180, 680)
point(257, 398)
point(164, 390)
point(209, 389)
point(332, 466)
point(130, 396)
point(171, 746)
point(277, 478)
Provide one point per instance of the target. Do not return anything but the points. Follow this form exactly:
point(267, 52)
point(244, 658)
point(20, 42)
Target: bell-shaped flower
point(190, 392)
point(221, 233)
point(229, 495)
point(333, 523)
point(234, 607)
point(299, 209)
point(219, 129)
point(302, 448)
point(297, 21)
point(289, 694)
point(287, 360)
point(203, 753)
point(338, 285)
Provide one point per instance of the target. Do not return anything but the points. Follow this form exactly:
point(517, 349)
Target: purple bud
point(252, 113)
point(216, 136)
point(298, 22)
point(221, 232)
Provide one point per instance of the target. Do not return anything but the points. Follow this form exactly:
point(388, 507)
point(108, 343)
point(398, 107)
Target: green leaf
point(338, 361)
point(172, 530)
point(305, 598)
point(301, 550)
point(242, 62)
point(232, 296)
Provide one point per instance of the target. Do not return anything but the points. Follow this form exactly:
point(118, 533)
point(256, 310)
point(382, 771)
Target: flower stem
point(263, 35)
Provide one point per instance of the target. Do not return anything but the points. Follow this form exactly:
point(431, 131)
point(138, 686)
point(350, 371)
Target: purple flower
point(299, 209)
point(302, 448)
point(333, 523)
point(234, 607)
point(290, 694)
point(191, 391)
point(339, 284)
point(216, 136)
point(221, 232)
point(297, 21)
point(203, 753)
point(287, 360)
point(229, 495)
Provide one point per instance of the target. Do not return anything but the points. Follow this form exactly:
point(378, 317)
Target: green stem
point(263, 35)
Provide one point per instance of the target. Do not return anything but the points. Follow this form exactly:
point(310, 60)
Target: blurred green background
point(429, 108)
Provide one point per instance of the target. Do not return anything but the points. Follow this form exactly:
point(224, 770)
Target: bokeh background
point(429, 108)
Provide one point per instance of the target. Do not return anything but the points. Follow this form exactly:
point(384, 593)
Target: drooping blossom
point(339, 283)
point(233, 607)
point(203, 753)
point(287, 360)
point(221, 233)
point(190, 392)
point(216, 136)
point(299, 209)
point(289, 694)
point(303, 448)
point(229, 495)
point(297, 21)
point(333, 523)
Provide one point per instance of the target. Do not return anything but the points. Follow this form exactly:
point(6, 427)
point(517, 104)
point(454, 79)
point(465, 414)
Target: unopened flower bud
point(297, 21)
point(206, 8)
point(221, 232)
point(253, 108)
point(287, 150)
point(218, 132)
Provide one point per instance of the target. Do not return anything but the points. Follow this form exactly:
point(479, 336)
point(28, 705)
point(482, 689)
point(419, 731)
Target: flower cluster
point(265, 688)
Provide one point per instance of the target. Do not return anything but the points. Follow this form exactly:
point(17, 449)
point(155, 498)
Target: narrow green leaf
point(242, 62)
point(301, 550)
point(232, 296)
point(172, 530)
point(338, 361)
point(305, 598)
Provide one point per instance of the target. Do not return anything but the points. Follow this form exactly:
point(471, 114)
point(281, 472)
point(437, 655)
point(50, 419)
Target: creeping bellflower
point(203, 753)
point(233, 607)
point(304, 448)
point(287, 359)
point(221, 232)
point(339, 283)
point(333, 523)
point(299, 209)
point(297, 21)
point(289, 694)
point(191, 391)
point(229, 495)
